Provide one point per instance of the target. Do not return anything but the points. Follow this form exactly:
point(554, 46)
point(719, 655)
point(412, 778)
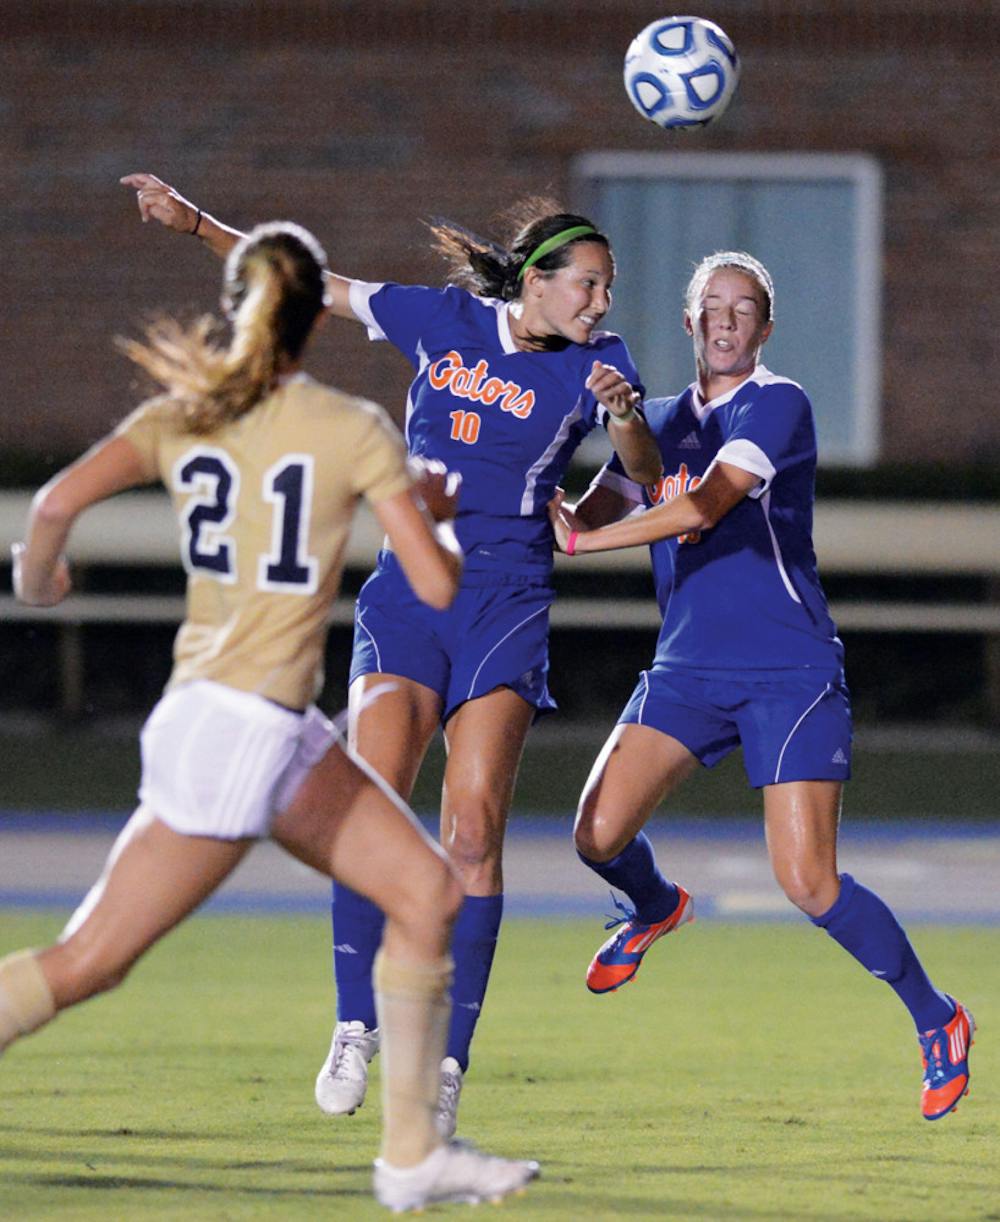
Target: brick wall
point(359, 119)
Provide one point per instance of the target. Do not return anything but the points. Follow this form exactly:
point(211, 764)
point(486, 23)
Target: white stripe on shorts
point(364, 628)
point(781, 755)
point(486, 657)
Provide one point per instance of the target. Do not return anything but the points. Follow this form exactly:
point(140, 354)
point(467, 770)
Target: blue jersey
point(507, 420)
point(744, 595)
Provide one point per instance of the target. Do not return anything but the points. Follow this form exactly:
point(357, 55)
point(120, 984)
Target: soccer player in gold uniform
point(265, 468)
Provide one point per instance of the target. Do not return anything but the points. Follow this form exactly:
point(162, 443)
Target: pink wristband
point(571, 542)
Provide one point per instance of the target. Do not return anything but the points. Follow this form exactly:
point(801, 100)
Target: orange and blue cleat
point(945, 1052)
point(617, 962)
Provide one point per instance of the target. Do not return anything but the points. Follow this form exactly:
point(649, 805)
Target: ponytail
point(490, 269)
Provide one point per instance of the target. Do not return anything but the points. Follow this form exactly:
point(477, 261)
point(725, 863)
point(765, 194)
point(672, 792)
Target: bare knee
point(473, 840)
point(811, 888)
point(595, 836)
point(425, 904)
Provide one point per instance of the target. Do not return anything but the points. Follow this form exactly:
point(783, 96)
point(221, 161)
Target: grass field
point(753, 1072)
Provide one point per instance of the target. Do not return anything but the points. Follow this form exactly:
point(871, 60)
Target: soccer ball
point(681, 72)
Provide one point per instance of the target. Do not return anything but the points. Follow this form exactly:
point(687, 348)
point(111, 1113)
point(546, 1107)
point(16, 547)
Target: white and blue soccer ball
point(681, 72)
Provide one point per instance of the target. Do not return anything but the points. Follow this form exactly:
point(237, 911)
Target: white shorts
point(221, 762)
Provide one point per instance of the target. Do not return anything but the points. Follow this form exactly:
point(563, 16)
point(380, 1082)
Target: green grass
point(753, 1073)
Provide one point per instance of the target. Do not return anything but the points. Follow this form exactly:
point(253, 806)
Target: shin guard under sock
point(473, 944)
point(357, 935)
point(866, 928)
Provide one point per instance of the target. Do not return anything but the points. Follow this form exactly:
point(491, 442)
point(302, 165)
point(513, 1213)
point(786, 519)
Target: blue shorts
point(793, 725)
point(495, 634)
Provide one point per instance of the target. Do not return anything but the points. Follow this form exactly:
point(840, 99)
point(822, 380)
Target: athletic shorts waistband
point(480, 570)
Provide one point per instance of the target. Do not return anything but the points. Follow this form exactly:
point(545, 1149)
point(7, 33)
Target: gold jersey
point(265, 506)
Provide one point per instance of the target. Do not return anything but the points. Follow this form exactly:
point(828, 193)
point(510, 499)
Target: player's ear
point(688, 324)
point(766, 333)
point(533, 281)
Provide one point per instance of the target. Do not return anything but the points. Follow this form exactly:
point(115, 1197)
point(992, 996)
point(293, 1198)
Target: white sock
point(26, 1001)
point(413, 1009)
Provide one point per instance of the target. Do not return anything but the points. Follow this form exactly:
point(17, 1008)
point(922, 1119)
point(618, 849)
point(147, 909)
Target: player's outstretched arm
point(158, 201)
point(41, 573)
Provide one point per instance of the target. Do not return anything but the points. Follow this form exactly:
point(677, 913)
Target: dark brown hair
point(491, 269)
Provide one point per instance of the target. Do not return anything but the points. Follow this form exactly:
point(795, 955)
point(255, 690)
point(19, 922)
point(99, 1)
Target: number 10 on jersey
point(465, 426)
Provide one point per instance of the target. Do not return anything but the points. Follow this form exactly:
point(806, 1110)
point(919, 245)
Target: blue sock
point(865, 927)
point(635, 872)
point(473, 944)
point(357, 935)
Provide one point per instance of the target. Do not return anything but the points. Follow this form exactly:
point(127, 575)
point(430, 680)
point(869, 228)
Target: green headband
point(553, 243)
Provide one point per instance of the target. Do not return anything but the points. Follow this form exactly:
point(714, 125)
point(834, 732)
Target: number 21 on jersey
point(208, 521)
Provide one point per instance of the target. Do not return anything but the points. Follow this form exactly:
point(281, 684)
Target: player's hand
point(612, 390)
point(437, 487)
point(560, 517)
point(35, 592)
point(158, 201)
point(566, 511)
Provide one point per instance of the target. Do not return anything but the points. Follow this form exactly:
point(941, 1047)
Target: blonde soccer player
point(265, 468)
point(748, 657)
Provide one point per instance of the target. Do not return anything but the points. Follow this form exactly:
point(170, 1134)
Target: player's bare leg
point(636, 769)
point(369, 842)
point(485, 739)
point(154, 878)
point(391, 721)
point(346, 822)
point(800, 822)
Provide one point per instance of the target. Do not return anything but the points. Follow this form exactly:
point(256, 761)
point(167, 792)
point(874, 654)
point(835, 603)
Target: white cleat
point(455, 1173)
point(343, 1080)
point(446, 1119)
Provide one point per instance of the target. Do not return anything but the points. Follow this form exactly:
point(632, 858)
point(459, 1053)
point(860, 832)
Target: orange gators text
point(474, 384)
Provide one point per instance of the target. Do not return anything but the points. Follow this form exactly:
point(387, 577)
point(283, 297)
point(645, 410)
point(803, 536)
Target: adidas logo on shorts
point(839, 757)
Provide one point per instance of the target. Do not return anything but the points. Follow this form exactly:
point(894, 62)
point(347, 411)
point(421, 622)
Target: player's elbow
point(705, 512)
point(437, 595)
point(705, 520)
point(52, 505)
point(645, 472)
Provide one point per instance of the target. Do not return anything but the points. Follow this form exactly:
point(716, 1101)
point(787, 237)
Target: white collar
point(703, 410)
point(504, 335)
